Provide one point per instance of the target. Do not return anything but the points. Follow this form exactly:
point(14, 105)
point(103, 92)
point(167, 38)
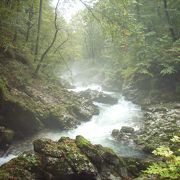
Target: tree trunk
point(172, 32)
point(16, 26)
point(29, 23)
point(45, 52)
point(138, 10)
point(38, 32)
point(51, 44)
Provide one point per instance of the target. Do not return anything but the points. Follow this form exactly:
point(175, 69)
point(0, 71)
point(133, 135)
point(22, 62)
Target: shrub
point(169, 166)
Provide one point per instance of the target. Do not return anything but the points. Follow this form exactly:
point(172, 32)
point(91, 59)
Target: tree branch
point(52, 43)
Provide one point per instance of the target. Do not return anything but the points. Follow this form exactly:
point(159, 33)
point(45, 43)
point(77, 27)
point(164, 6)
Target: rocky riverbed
point(161, 123)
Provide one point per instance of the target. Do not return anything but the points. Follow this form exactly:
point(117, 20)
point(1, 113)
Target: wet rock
point(83, 112)
point(160, 126)
point(66, 159)
point(32, 108)
point(177, 106)
point(23, 167)
point(126, 134)
point(161, 123)
point(6, 136)
point(115, 132)
point(136, 165)
point(127, 129)
point(99, 97)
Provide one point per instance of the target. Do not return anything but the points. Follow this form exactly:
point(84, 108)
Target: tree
point(30, 18)
point(52, 42)
point(171, 29)
point(38, 32)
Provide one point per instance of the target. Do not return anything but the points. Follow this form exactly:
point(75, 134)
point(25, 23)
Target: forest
point(89, 89)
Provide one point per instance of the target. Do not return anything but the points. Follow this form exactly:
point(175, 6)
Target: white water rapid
point(97, 130)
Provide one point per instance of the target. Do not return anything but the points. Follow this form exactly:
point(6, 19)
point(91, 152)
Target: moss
point(64, 160)
point(3, 87)
point(29, 104)
point(98, 154)
point(109, 150)
point(4, 175)
point(8, 135)
point(81, 141)
point(23, 167)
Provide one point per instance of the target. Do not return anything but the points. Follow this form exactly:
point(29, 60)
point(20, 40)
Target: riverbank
point(49, 104)
point(160, 103)
point(161, 123)
point(29, 104)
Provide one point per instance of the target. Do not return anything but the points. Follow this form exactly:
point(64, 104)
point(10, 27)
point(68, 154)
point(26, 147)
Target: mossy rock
point(30, 104)
point(22, 168)
point(31, 109)
point(99, 155)
point(66, 159)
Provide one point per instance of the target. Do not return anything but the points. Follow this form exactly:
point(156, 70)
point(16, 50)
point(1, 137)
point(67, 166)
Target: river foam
point(97, 130)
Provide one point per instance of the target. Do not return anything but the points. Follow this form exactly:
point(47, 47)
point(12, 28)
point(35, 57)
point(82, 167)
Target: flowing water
point(97, 130)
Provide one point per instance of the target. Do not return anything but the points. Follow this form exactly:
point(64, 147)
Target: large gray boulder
point(66, 159)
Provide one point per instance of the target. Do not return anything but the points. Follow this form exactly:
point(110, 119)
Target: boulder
point(100, 97)
point(32, 108)
point(66, 159)
point(115, 133)
point(125, 134)
point(127, 129)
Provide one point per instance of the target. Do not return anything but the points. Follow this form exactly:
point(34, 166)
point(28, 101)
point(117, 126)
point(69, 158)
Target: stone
point(29, 109)
point(127, 129)
point(99, 97)
point(115, 132)
point(66, 159)
point(177, 106)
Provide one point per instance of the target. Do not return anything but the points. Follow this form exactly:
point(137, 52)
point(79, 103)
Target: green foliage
point(136, 40)
point(18, 22)
point(167, 70)
point(169, 167)
point(130, 38)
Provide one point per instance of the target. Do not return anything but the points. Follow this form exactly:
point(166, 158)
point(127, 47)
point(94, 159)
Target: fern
point(170, 166)
point(167, 70)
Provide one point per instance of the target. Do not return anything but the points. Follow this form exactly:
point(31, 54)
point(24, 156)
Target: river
point(97, 130)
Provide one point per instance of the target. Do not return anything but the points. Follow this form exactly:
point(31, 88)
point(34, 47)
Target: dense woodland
point(127, 46)
point(135, 41)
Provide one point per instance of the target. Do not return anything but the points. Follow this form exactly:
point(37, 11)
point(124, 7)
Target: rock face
point(28, 108)
point(66, 159)
point(99, 97)
point(6, 136)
